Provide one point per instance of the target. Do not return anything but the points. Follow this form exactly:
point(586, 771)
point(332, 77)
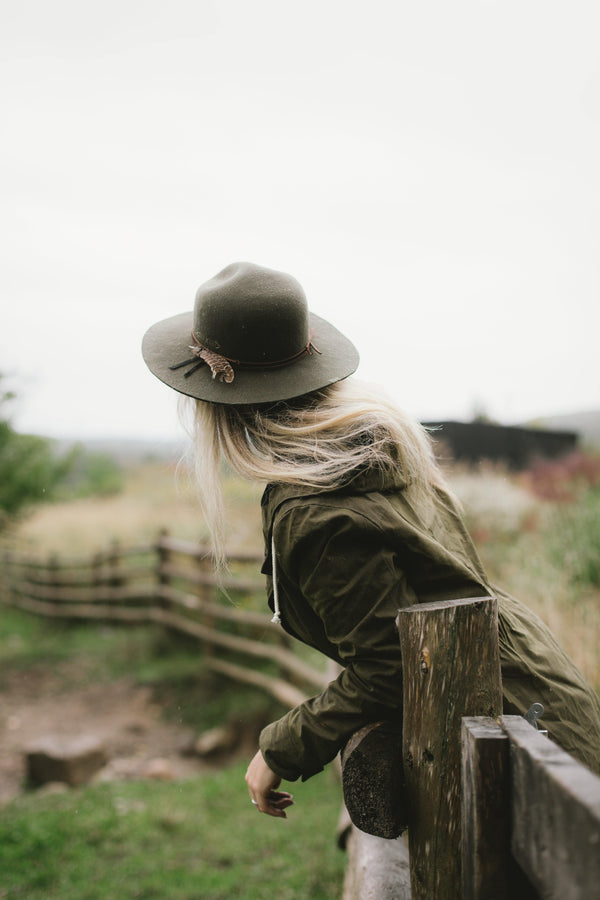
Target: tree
point(29, 468)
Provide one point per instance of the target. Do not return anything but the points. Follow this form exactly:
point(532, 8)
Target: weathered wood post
point(207, 593)
point(96, 576)
point(451, 669)
point(163, 556)
point(115, 580)
point(52, 578)
point(486, 859)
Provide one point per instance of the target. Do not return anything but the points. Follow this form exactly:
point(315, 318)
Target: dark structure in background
point(515, 446)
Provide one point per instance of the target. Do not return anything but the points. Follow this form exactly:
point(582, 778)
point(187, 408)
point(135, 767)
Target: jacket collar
point(365, 481)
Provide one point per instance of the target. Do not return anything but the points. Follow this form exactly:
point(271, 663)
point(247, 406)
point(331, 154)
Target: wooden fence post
point(206, 593)
point(53, 571)
point(489, 870)
point(162, 577)
point(451, 669)
point(95, 574)
point(485, 810)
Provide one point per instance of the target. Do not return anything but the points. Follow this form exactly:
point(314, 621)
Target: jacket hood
point(364, 481)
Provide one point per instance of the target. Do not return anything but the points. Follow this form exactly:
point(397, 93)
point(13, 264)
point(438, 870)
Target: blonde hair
point(318, 440)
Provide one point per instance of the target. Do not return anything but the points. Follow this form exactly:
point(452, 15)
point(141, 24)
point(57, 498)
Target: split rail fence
point(495, 809)
point(170, 583)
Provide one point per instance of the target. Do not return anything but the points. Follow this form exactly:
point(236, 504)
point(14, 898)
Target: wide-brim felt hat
point(250, 339)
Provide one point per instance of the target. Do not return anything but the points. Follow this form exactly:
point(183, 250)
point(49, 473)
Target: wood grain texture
point(451, 669)
point(555, 812)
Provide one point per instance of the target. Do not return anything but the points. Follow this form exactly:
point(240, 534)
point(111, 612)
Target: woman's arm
point(338, 561)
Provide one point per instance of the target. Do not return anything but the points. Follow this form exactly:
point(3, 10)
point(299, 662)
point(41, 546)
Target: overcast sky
point(427, 170)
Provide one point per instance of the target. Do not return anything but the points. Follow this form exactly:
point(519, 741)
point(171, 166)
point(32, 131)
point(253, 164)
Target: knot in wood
point(425, 661)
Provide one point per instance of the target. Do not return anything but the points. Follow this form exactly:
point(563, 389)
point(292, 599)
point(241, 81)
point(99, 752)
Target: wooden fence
point(495, 809)
point(170, 583)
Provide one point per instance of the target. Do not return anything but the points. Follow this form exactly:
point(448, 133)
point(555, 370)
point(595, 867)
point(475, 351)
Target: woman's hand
point(262, 785)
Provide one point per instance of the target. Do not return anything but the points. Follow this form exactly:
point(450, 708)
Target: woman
point(357, 520)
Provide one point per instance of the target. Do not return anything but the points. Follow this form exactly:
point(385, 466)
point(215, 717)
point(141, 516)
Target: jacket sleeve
point(338, 562)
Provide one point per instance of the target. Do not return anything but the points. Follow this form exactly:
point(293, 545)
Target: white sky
point(429, 171)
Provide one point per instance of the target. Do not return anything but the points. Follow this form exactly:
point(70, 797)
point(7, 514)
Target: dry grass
point(511, 528)
point(508, 524)
point(156, 496)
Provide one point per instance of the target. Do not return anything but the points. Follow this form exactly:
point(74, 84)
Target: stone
point(73, 761)
point(160, 769)
point(216, 741)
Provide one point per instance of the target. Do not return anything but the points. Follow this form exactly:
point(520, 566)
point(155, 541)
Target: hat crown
point(252, 314)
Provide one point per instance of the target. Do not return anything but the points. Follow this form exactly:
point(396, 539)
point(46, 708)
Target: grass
point(537, 533)
point(184, 841)
point(195, 839)
point(172, 665)
point(202, 839)
point(536, 544)
point(155, 496)
point(545, 552)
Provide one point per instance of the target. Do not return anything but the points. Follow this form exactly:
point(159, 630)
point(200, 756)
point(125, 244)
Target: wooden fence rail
point(169, 583)
point(494, 809)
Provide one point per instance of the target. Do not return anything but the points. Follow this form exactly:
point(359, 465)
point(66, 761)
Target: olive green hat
point(250, 339)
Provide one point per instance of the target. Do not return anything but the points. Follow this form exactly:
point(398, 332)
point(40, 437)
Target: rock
point(222, 739)
point(54, 787)
point(160, 769)
point(73, 761)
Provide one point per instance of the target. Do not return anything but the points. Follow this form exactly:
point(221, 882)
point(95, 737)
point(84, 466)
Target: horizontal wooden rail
point(279, 688)
point(209, 579)
point(200, 551)
point(93, 594)
point(218, 610)
point(531, 814)
point(17, 558)
point(172, 584)
point(529, 822)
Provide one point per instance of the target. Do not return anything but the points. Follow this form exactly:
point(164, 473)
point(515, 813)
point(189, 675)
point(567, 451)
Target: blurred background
point(428, 172)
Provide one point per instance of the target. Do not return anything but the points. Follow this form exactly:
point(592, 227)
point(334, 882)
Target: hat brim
point(167, 343)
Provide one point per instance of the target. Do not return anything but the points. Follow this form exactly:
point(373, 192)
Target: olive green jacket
point(346, 561)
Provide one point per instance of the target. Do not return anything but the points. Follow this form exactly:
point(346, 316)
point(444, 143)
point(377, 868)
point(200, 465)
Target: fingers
point(262, 787)
point(274, 804)
point(280, 799)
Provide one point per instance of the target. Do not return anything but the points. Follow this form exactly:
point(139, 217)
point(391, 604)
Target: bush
point(29, 471)
point(563, 479)
point(573, 535)
point(90, 475)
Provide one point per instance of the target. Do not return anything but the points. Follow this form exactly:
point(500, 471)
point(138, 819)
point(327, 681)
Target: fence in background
point(495, 810)
point(169, 583)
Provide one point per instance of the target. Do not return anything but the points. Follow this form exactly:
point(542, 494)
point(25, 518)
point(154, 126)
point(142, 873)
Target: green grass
point(573, 537)
point(194, 839)
point(171, 664)
point(104, 651)
point(548, 555)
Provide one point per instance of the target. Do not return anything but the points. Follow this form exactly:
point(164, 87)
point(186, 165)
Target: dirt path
point(140, 742)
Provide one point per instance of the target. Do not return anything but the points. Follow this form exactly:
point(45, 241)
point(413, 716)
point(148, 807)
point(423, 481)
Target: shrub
point(573, 535)
point(563, 479)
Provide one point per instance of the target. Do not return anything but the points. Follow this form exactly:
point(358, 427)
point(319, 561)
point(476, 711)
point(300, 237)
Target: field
point(543, 550)
point(199, 837)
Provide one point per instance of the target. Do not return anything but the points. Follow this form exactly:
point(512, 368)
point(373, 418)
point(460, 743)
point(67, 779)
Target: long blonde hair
point(319, 440)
